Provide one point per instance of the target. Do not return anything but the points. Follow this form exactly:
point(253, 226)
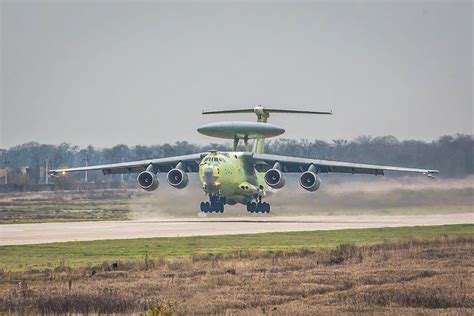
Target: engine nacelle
point(274, 178)
point(148, 181)
point(177, 178)
point(310, 181)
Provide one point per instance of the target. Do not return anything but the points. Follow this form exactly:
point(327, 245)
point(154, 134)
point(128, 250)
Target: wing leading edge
point(294, 164)
point(262, 162)
point(190, 163)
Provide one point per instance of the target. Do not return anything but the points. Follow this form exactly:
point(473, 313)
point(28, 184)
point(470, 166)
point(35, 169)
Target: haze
point(103, 72)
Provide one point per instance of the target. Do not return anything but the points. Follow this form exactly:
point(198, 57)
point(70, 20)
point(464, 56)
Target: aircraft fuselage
point(232, 176)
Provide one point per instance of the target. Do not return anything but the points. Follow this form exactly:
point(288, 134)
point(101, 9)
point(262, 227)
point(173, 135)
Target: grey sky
point(103, 73)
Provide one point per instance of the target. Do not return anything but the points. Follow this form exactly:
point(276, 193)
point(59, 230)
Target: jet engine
point(177, 178)
point(310, 181)
point(148, 181)
point(274, 178)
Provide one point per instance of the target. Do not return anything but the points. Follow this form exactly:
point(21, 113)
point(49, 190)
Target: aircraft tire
point(217, 207)
point(266, 207)
point(221, 207)
point(253, 207)
point(263, 207)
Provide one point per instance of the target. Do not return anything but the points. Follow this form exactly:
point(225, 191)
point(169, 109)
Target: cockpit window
point(213, 159)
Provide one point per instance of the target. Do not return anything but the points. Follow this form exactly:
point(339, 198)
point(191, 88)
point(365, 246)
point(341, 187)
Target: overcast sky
point(104, 72)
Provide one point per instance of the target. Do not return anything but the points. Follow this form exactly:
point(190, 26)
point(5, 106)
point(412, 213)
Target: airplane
point(244, 177)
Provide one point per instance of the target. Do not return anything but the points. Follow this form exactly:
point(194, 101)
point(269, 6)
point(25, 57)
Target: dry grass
point(29, 207)
point(424, 277)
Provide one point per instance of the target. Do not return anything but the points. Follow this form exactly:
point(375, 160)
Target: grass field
point(79, 254)
point(62, 206)
point(408, 270)
point(416, 270)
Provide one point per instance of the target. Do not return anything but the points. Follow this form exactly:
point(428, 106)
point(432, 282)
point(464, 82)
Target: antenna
point(263, 113)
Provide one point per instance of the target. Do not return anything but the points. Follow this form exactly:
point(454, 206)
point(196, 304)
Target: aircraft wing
point(294, 164)
point(190, 164)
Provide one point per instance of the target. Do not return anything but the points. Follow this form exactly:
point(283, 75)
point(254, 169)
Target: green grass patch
point(61, 215)
point(63, 220)
point(84, 253)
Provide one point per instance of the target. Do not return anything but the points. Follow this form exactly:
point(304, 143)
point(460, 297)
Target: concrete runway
point(19, 234)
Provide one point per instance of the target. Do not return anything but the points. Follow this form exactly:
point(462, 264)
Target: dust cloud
point(338, 195)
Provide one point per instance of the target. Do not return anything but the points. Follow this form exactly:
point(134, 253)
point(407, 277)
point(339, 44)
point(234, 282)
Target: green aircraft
point(243, 177)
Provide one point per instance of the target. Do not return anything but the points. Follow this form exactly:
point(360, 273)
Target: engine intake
point(148, 181)
point(177, 178)
point(274, 178)
point(310, 181)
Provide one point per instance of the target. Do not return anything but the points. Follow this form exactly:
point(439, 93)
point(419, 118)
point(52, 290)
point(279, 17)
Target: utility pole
point(5, 163)
point(87, 164)
point(123, 160)
point(46, 171)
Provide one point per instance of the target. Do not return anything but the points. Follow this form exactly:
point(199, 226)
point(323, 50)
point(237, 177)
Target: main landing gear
point(260, 207)
point(215, 204)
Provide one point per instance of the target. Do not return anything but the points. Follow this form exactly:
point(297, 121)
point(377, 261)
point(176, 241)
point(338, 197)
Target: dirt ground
point(422, 277)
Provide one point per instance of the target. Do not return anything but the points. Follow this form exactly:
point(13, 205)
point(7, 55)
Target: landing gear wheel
point(216, 204)
point(260, 207)
point(252, 207)
point(266, 207)
point(219, 207)
point(205, 207)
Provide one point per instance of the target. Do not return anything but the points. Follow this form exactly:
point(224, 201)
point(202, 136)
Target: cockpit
point(213, 160)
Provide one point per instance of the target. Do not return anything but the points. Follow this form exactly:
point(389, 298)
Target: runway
point(20, 234)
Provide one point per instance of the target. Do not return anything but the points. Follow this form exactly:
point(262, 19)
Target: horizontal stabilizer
point(229, 111)
point(261, 109)
point(296, 111)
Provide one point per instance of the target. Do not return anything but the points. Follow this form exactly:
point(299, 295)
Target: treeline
point(453, 155)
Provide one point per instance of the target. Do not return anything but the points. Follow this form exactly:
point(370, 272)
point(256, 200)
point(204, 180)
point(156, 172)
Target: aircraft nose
point(208, 172)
